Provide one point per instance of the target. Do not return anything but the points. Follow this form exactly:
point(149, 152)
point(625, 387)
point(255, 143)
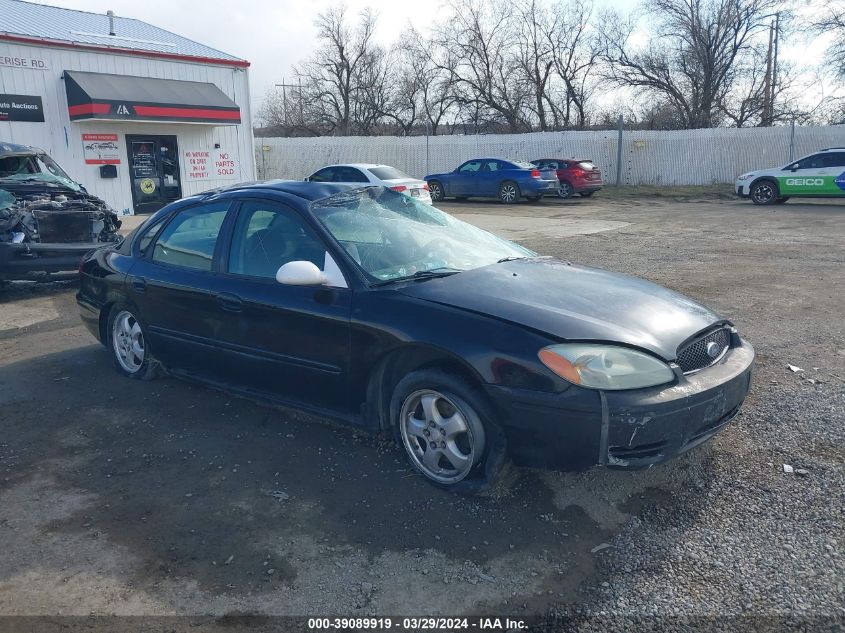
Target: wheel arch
point(398, 363)
point(765, 178)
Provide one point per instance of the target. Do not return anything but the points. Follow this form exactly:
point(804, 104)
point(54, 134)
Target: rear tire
point(435, 189)
point(447, 431)
point(565, 190)
point(509, 192)
point(127, 343)
point(764, 192)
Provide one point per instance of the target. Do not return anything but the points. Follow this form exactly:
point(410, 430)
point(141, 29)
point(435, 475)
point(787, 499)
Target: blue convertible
point(506, 180)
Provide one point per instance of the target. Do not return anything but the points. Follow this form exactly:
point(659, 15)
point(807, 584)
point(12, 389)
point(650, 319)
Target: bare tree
point(342, 69)
point(479, 39)
point(832, 22)
point(693, 56)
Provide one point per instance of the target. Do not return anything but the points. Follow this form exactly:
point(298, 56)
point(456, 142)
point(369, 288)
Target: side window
point(189, 239)
point(470, 167)
point(324, 175)
point(812, 162)
point(835, 159)
point(266, 236)
point(491, 165)
point(148, 237)
point(349, 174)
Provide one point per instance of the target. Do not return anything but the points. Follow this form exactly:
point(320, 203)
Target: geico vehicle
point(819, 175)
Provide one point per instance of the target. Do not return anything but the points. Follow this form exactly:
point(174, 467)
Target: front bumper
point(741, 191)
point(28, 261)
point(580, 428)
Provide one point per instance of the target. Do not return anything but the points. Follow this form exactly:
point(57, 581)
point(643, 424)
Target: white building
point(138, 115)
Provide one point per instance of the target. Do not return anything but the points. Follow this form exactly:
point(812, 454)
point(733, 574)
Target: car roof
point(569, 160)
point(359, 165)
point(8, 149)
point(308, 191)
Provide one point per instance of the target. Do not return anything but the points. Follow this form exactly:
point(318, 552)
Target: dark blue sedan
point(507, 180)
point(376, 309)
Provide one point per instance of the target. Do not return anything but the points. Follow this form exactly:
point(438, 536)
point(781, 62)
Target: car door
point(346, 175)
point(812, 175)
point(489, 178)
point(326, 174)
point(173, 283)
point(288, 342)
point(464, 182)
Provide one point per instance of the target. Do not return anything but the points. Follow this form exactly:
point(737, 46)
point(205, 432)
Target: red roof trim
point(123, 51)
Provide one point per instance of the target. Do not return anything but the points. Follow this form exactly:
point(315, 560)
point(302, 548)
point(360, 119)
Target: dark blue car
point(507, 180)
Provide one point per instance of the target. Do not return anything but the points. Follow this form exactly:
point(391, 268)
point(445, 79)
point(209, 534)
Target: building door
point(154, 171)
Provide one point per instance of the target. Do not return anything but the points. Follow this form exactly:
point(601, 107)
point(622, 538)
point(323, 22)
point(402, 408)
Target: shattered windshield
point(392, 236)
point(34, 168)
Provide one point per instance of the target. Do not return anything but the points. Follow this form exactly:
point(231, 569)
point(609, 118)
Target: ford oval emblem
point(714, 349)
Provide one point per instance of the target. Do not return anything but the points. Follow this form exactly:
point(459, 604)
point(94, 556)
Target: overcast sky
point(271, 34)
point(275, 34)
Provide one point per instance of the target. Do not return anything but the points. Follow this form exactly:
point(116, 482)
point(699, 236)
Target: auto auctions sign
point(204, 164)
point(101, 149)
point(21, 108)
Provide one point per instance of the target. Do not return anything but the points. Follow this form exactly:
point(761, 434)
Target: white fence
point(686, 157)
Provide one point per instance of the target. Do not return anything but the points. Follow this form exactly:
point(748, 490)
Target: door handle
point(230, 303)
point(139, 285)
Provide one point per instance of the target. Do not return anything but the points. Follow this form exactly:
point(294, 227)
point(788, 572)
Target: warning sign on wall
point(101, 149)
point(215, 164)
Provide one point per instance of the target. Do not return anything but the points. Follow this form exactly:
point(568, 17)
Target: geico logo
point(805, 181)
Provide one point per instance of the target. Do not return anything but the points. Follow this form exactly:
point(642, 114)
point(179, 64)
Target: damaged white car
point(48, 222)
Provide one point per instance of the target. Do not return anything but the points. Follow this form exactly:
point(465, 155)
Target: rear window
point(387, 173)
point(521, 165)
point(586, 164)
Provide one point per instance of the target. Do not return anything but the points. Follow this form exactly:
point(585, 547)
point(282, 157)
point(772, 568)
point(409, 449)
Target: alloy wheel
point(508, 193)
point(435, 191)
point(763, 193)
point(438, 436)
point(128, 342)
point(565, 190)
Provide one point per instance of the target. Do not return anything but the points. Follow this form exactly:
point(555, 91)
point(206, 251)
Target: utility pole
point(619, 153)
point(284, 86)
point(770, 82)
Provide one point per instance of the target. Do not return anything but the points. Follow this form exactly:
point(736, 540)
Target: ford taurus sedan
point(378, 310)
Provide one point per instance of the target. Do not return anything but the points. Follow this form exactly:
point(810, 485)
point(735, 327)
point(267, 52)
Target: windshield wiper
point(431, 273)
point(511, 258)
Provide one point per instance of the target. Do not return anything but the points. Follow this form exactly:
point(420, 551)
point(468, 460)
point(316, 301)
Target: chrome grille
point(694, 356)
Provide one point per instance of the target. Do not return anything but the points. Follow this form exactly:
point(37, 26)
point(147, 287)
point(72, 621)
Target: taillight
point(399, 188)
point(535, 173)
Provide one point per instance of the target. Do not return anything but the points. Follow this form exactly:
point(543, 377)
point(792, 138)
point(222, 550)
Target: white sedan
point(363, 174)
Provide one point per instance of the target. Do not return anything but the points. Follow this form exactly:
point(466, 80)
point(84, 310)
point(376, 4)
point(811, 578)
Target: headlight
point(605, 367)
point(745, 177)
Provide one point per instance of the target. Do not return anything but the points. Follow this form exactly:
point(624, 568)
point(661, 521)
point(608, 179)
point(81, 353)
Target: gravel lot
point(164, 498)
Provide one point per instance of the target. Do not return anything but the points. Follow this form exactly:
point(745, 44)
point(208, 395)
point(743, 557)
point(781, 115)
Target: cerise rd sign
point(23, 62)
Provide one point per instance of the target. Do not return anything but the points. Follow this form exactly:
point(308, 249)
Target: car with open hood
point(373, 308)
point(48, 221)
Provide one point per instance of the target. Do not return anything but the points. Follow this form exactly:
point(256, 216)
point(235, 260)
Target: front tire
point(445, 428)
point(128, 345)
point(764, 192)
point(435, 189)
point(565, 190)
point(508, 192)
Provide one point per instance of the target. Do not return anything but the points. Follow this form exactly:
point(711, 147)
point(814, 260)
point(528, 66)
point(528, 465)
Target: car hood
point(572, 302)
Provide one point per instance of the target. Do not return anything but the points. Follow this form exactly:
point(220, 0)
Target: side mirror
point(794, 167)
point(300, 273)
point(307, 179)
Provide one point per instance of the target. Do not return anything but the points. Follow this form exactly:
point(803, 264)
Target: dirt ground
point(159, 498)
